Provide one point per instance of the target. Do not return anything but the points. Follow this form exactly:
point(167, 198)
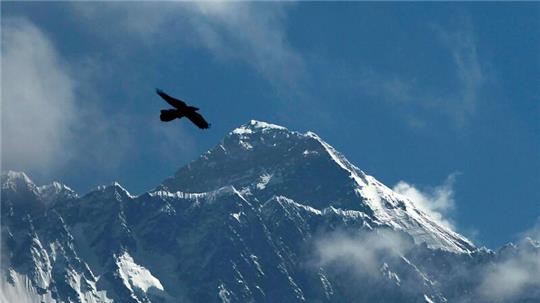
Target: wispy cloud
point(438, 202)
point(470, 73)
point(251, 33)
point(363, 251)
point(420, 102)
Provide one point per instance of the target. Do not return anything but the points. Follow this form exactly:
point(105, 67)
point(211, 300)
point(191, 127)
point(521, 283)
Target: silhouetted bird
point(182, 110)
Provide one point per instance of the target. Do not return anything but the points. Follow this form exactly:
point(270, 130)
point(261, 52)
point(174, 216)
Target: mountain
point(268, 215)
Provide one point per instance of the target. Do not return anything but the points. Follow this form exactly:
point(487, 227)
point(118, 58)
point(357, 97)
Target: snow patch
point(265, 125)
point(242, 130)
point(428, 300)
point(20, 289)
point(255, 125)
point(134, 275)
point(246, 145)
point(255, 261)
point(264, 179)
point(309, 152)
point(237, 216)
point(224, 294)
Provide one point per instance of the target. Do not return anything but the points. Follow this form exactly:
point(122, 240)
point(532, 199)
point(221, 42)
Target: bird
point(182, 110)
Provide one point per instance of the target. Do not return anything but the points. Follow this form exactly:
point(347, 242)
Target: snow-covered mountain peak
point(267, 135)
point(263, 160)
point(14, 179)
point(117, 186)
point(18, 181)
point(254, 136)
point(256, 151)
point(52, 192)
point(14, 175)
point(17, 186)
point(114, 189)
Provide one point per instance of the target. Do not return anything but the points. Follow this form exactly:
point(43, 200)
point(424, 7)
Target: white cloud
point(46, 125)
point(438, 202)
point(515, 272)
point(37, 99)
point(364, 251)
point(508, 279)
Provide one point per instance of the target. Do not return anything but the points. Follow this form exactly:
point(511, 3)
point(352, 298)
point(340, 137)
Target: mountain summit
point(268, 215)
point(264, 160)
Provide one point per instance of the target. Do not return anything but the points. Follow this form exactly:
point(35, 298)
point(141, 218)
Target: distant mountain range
point(268, 215)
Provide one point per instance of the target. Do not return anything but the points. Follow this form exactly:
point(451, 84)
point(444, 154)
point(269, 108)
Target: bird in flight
point(182, 110)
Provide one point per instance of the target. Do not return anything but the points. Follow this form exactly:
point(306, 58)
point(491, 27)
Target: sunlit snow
point(135, 275)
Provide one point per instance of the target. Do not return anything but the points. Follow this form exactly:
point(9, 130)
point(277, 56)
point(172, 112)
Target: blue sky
point(437, 100)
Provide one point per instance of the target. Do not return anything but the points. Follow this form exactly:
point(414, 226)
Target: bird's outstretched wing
point(198, 120)
point(172, 101)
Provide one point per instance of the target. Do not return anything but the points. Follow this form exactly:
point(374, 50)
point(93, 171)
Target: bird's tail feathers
point(168, 115)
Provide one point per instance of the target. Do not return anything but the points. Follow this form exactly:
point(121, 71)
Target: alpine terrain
point(268, 215)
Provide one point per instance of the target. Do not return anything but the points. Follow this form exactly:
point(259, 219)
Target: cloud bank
point(517, 271)
point(509, 279)
point(46, 125)
point(38, 111)
point(365, 257)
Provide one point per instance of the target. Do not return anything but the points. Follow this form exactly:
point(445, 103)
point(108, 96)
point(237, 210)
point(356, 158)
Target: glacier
point(268, 215)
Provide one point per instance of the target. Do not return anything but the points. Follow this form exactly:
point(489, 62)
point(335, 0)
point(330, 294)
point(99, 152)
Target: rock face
point(269, 215)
